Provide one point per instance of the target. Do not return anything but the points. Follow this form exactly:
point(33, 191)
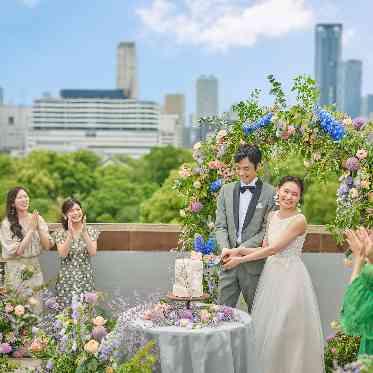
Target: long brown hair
point(11, 212)
point(66, 206)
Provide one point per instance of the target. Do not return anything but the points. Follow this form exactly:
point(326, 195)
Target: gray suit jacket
point(227, 219)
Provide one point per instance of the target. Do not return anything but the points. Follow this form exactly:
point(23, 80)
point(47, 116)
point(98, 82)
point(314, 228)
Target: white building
point(107, 126)
point(169, 130)
point(14, 121)
point(127, 70)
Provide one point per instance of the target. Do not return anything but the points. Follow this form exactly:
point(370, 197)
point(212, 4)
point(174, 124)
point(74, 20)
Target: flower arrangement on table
point(198, 316)
point(17, 323)
point(76, 339)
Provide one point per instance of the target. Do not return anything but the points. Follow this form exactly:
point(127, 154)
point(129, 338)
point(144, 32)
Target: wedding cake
point(188, 278)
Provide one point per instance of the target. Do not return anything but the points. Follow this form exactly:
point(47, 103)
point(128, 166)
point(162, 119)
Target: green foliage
point(142, 362)
point(7, 366)
point(340, 350)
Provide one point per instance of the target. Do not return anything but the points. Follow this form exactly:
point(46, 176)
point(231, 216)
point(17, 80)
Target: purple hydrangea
point(5, 348)
point(352, 164)
point(196, 206)
point(90, 297)
point(359, 122)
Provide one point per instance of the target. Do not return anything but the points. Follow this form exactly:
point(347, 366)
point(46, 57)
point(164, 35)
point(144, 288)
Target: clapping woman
point(76, 243)
point(23, 235)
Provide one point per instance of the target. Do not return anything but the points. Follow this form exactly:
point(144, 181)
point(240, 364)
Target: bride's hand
point(232, 262)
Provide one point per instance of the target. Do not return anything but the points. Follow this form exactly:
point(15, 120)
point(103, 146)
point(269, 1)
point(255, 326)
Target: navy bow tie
point(244, 188)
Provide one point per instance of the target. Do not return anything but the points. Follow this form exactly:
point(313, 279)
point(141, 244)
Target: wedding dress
point(285, 312)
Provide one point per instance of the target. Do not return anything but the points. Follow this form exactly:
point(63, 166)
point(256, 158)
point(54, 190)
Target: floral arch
point(328, 141)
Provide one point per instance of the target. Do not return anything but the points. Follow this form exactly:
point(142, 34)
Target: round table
point(227, 348)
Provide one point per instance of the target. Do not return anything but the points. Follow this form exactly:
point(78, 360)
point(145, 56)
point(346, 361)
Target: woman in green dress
point(23, 236)
point(76, 243)
point(357, 310)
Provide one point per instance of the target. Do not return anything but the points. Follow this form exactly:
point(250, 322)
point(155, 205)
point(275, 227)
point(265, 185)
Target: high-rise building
point(367, 106)
point(174, 104)
point(127, 69)
point(351, 81)
point(168, 130)
point(14, 122)
point(84, 119)
point(328, 55)
point(207, 100)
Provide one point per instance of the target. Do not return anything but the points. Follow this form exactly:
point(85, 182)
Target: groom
point(241, 215)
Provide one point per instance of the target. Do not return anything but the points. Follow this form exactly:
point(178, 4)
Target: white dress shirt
point(245, 199)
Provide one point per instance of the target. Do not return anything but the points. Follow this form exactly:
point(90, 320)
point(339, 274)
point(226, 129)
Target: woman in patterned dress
point(76, 243)
point(23, 235)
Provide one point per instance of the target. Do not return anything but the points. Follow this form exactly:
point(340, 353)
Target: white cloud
point(30, 3)
point(223, 24)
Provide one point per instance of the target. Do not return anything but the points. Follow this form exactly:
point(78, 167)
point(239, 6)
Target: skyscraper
point(367, 106)
point(174, 104)
point(207, 100)
point(127, 69)
point(328, 54)
point(351, 76)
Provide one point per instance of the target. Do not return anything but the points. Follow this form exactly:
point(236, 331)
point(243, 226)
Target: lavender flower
point(49, 365)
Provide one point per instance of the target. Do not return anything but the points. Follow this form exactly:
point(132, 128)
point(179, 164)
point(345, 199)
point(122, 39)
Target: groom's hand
point(232, 262)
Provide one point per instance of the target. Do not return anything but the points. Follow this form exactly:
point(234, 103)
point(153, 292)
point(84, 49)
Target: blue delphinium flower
point(330, 125)
point(216, 185)
point(199, 243)
point(209, 246)
point(262, 122)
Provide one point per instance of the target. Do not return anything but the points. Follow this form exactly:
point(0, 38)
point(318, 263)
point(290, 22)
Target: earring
point(299, 207)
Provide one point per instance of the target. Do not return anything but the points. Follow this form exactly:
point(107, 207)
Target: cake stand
point(188, 300)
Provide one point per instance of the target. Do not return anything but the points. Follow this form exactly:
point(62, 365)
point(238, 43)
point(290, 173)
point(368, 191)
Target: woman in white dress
point(285, 313)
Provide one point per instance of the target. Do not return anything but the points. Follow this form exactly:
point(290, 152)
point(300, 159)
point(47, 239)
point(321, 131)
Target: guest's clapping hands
point(355, 241)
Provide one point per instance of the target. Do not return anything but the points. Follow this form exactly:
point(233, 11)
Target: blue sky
point(47, 45)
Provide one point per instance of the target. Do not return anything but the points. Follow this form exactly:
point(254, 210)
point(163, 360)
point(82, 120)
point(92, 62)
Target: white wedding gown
point(285, 312)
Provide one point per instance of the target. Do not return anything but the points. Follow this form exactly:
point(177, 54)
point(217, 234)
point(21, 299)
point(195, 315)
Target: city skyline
point(45, 59)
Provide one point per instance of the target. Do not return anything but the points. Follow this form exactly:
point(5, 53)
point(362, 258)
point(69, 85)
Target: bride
point(285, 312)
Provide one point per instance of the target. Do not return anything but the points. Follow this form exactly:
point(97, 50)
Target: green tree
point(161, 161)
point(164, 205)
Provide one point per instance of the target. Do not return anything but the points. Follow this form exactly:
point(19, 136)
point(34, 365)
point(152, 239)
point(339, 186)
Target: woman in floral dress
point(76, 243)
point(23, 236)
